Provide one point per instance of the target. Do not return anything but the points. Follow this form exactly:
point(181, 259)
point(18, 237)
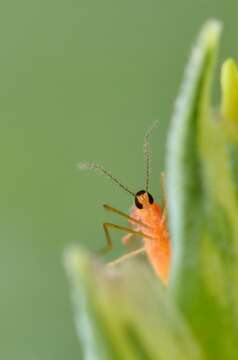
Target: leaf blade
point(139, 319)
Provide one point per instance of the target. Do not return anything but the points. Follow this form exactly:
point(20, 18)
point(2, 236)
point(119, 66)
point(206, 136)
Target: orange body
point(158, 249)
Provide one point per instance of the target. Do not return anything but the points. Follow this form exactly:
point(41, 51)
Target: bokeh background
point(79, 80)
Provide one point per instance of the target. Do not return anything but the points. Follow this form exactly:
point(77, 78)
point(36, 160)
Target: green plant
point(126, 313)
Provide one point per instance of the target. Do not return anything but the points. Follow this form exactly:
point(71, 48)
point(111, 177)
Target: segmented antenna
point(147, 154)
point(101, 170)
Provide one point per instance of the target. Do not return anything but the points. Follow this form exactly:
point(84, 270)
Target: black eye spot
point(138, 204)
point(151, 200)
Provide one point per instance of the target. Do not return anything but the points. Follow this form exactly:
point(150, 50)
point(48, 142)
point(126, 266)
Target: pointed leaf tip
point(212, 30)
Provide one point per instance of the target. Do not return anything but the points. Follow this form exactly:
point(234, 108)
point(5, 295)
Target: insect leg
point(106, 227)
point(164, 215)
point(112, 209)
point(126, 257)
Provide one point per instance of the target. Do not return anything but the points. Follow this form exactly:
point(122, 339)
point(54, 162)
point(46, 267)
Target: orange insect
point(148, 220)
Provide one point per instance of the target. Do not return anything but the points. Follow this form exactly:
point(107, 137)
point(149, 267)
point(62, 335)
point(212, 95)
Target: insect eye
point(138, 204)
point(151, 200)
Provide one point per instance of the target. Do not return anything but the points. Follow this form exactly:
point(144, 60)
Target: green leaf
point(202, 184)
point(124, 313)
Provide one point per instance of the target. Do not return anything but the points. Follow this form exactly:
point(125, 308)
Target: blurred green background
point(79, 80)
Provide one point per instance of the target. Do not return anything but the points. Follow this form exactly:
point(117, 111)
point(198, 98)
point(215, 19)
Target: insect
point(147, 220)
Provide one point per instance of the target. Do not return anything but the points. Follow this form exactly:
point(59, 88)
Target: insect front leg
point(107, 226)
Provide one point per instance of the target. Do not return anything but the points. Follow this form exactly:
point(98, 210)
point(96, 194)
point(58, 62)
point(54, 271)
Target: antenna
point(102, 171)
point(147, 154)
